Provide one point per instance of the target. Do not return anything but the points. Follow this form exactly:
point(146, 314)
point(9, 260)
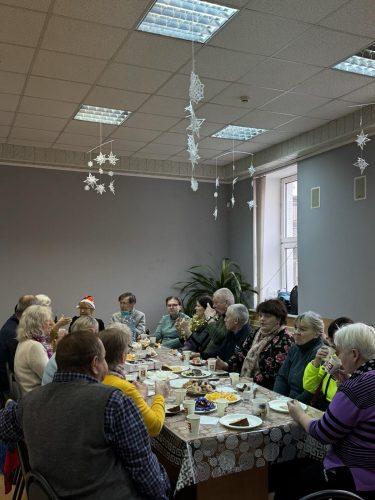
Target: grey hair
point(357, 336)
point(43, 300)
point(31, 321)
point(84, 323)
point(123, 328)
point(241, 313)
point(226, 294)
point(314, 320)
point(24, 302)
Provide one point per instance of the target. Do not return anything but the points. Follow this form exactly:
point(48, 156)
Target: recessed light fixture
point(101, 115)
point(362, 63)
point(238, 133)
point(187, 19)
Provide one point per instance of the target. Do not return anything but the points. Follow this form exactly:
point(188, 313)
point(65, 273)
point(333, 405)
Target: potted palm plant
point(204, 280)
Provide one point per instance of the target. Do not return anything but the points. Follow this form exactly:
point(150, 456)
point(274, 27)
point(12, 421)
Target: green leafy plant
point(205, 280)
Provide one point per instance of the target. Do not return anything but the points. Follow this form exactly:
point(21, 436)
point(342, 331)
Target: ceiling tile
point(147, 155)
point(220, 114)
point(115, 98)
point(6, 117)
point(363, 95)
point(303, 10)
point(205, 153)
point(164, 106)
point(67, 67)
point(9, 102)
point(332, 110)
point(162, 149)
point(89, 128)
point(31, 4)
point(135, 134)
point(296, 104)
point(125, 145)
point(34, 144)
point(47, 107)
point(82, 38)
point(222, 64)
point(258, 33)
point(322, 47)
point(171, 138)
point(151, 122)
point(85, 141)
point(4, 130)
point(70, 147)
point(264, 119)
point(251, 146)
point(33, 134)
point(217, 144)
point(271, 137)
point(14, 58)
point(302, 124)
point(280, 74)
point(354, 17)
point(332, 83)
point(39, 122)
point(20, 26)
point(178, 86)
point(232, 3)
point(123, 76)
point(11, 83)
point(38, 86)
point(256, 95)
point(120, 13)
point(151, 51)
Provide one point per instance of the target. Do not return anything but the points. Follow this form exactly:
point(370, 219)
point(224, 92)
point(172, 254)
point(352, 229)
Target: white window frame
point(285, 242)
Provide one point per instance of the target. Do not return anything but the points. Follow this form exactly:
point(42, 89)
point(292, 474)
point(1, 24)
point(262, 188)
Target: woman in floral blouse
point(262, 353)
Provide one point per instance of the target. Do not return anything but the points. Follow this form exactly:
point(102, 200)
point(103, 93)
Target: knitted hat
point(89, 300)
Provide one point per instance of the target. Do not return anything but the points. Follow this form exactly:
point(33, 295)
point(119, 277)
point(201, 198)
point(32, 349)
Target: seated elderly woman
point(166, 332)
point(33, 350)
point(347, 426)
point(320, 376)
point(86, 307)
point(264, 351)
point(116, 339)
point(308, 336)
point(194, 330)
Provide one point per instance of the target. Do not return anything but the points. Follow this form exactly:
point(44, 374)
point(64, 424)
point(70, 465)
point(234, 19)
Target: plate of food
point(202, 406)
point(177, 383)
point(220, 373)
point(195, 373)
point(173, 368)
point(281, 405)
point(130, 358)
point(240, 421)
point(161, 375)
point(198, 387)
point(246, 386)
point(144, 343)
point(173, 409)
point(229, 396)
point(150, 351)
point(225, 388)
point(198, 362)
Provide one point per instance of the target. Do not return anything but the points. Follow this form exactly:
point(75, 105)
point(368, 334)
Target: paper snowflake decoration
point(100, 188)
point(87, 188)
point(189, 109)
point(195, 124)
point(193, 150)
point(233, 167)
point(100, 159)
point(251, 170)
point(232, 200)
point(362, 139)
point(215, 213)
point(110, 173)
point(90, 180)
point(100, 171)
point(196, 89)
point(361, 163)
point(251, 204)
point(217, 182)
point(90, 163)
point(112, 158)
point(194, 184)
point(216, 194)
point(111, 187)
point(234, 181)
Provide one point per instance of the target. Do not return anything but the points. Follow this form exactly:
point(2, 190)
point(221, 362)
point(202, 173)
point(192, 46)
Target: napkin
point(209, 420)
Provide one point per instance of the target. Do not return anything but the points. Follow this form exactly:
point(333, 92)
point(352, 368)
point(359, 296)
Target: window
point(289, 250)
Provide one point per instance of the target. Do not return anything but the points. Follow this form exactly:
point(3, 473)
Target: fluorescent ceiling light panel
point(187, 19)
point(101, 115)
point(238, 133)
point(362, 63)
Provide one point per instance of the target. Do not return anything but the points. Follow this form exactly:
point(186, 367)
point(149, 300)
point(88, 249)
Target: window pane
point(291, 209)
point(291, 268)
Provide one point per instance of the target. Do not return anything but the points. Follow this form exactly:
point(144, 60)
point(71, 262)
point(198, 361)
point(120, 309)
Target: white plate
point(161, 375)
point(220, 373)
point(177, 383)
point(238, 398)
point(253, 421)
point(225, 388)
point(205, 374)
point(281, 406)
point(204, 412)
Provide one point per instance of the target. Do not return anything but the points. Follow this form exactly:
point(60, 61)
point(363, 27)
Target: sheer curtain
point(258, 221)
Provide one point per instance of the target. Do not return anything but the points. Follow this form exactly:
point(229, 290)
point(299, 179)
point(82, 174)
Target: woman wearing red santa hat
point(86, 307)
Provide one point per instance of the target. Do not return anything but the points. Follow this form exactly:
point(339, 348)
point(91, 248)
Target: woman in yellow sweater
point(315, 378)
point(116, 339)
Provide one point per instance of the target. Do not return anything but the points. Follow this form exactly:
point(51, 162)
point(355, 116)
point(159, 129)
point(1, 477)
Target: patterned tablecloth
point(218, 451)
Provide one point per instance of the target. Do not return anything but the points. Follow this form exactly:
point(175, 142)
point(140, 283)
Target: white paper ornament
point(112, 158)
point(361, 163)
point(91, 180)
point(251, 204)
point(111, 187)
point(196, 89)
point(100, 159)
point(215, 213)
point(362, 139)
point(90, 163)
point(194, 184)
point(100, 188)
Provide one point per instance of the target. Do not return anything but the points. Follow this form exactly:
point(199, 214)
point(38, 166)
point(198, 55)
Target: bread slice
point(243, 422)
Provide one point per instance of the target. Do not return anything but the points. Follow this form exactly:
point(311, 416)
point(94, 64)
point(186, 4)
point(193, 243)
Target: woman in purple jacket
point(348, 425)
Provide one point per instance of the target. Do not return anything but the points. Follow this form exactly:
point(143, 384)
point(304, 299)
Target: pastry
point(243, 422)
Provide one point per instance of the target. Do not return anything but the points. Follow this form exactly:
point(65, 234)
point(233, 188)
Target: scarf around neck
point(119, 371)
point(43, 339)
point(261, 340)
point(366, 367)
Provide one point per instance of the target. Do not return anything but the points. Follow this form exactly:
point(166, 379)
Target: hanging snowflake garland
point(112, 159)
point(195, 123)
point(100, 188)
point(251, 170)
point(215, 213)
point(251, 204)
point(361, 163)
point(194, 184)
point(192, 149)
point(362, 139)
point(100, 159)
point(196, 89)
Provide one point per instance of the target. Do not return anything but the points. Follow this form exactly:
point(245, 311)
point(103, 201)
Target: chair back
point(24, 458)
point(332, 495)
point(14, 388)
point(38, 488)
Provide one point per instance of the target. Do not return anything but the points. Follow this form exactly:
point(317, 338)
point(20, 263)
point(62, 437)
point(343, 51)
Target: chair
point(38, 488)
point(331, 495)
point(23, 470)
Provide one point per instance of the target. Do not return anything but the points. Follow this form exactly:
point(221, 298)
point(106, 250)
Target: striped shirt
point(348, 426)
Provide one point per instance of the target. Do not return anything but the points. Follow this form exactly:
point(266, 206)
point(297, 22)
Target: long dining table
point(220, 461)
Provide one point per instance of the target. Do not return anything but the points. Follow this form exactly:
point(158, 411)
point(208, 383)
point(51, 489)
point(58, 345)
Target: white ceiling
point(58, 54)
